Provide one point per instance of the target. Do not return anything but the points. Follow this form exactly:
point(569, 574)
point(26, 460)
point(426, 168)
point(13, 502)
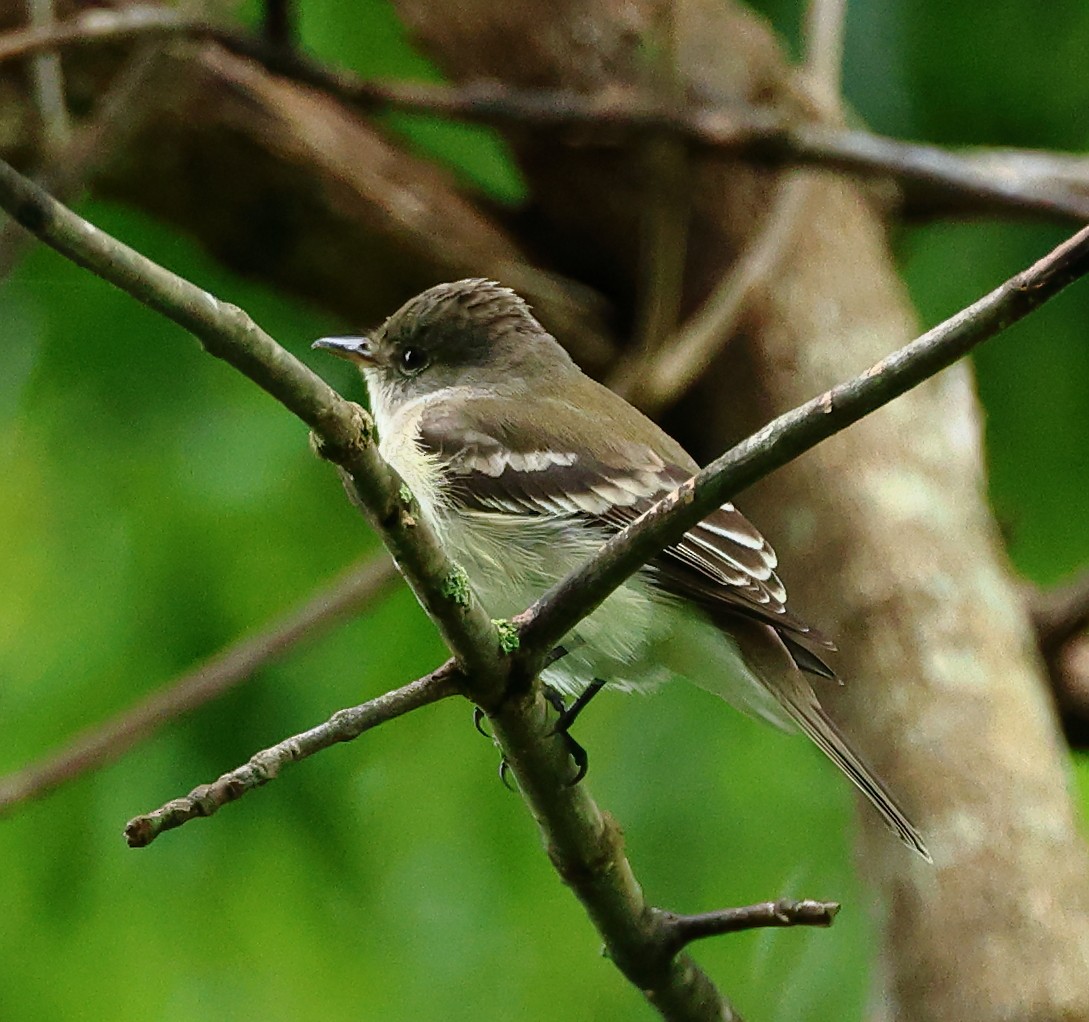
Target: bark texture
point(901, 558)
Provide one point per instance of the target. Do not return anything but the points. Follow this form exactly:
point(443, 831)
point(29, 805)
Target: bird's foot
point(568, 715)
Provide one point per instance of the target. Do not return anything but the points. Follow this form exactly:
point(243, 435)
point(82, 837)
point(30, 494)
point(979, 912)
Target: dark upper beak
point(360, 350)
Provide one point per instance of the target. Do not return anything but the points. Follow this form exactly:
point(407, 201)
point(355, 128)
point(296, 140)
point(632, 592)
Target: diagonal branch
point(344, 431)
point(264, 766)
point(347, 595)
point(790, 435)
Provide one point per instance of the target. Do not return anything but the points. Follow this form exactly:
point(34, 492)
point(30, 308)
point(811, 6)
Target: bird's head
point(469, 333)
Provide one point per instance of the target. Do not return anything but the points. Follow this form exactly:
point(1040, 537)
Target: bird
point(524, 466)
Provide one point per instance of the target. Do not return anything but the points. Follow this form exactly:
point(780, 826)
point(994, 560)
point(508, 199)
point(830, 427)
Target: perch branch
point(344, 430)
point(347, 595)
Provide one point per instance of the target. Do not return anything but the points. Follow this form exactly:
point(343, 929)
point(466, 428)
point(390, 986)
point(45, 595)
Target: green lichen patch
point(508, 635)
point(455, 587)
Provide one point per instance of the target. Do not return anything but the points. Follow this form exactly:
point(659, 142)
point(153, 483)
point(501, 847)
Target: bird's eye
point(413, 361)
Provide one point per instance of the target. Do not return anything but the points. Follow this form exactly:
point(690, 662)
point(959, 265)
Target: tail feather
point(775, 661)
point(804, 709)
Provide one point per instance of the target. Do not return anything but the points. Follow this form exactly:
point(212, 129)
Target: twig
point(346, 596)
point(682, 930)
point(48, 78)
point(343, 726)
point(825, 23)
point(1037, 183)
point(99, 25)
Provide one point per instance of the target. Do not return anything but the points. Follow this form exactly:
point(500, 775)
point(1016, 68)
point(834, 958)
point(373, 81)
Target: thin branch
point(1021, 184)
point(790, 435)
point(825, 26)
point(345, 597)
point(343, 726)
point(1059, 614)
point(1036, 183)
point(682, 929)
point(99, 25)
point(114, 120)
point(654, 378)
point(48, 78)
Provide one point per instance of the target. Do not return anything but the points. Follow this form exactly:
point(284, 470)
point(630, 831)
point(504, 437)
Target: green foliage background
point(156, 506)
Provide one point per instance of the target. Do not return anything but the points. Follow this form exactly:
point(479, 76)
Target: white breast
point(513, 559)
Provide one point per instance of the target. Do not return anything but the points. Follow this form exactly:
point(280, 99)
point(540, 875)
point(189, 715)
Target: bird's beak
point(360, 350)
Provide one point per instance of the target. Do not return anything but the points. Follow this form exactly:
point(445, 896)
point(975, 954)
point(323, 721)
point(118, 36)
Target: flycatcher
point(524, 466)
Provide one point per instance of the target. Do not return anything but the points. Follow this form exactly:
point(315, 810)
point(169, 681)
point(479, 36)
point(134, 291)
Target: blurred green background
point(156, 506)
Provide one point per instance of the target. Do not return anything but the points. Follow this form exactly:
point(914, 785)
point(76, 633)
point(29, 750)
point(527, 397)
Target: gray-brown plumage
point(524, 465)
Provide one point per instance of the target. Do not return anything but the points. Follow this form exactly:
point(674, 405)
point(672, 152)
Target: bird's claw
point(579, 755)
point(504, 774)
point(562, 727)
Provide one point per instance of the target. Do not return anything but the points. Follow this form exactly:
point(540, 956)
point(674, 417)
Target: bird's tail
point(770, 682)
point(802, 706)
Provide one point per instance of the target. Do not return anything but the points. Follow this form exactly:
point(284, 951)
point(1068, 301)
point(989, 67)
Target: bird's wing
point(506, 466)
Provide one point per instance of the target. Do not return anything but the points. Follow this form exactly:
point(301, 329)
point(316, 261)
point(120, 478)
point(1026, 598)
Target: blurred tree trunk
point(885, 531)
